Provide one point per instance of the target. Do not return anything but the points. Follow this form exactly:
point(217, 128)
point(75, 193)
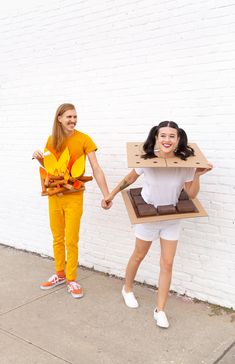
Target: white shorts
point(168, 230)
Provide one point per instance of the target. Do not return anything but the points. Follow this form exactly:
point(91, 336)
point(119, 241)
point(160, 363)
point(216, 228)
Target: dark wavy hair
point(183, 150)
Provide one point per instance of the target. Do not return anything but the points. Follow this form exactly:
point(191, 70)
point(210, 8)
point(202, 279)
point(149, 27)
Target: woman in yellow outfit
point(65, 209)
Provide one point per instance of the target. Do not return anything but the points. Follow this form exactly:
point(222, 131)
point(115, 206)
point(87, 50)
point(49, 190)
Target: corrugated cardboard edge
point(139, 220)
point(134, 160)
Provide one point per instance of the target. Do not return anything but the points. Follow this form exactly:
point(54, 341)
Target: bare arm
point(125, 182)
point(100, 178)
point(192, 188)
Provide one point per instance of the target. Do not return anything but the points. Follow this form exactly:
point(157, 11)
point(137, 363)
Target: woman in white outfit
point(162, 186)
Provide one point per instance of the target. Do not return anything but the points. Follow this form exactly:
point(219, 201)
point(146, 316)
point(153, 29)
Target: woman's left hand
point(201, 171)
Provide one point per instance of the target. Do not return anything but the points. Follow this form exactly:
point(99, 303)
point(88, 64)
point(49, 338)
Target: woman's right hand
point(37, 154)
point(109, 198)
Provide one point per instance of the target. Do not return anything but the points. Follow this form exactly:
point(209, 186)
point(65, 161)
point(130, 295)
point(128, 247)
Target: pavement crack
point(5, 332)
point(40, 297)
point(224, 353)
point(30, 301)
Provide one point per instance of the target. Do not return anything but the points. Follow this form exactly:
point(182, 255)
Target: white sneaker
point(161, 318)
point(129, 298)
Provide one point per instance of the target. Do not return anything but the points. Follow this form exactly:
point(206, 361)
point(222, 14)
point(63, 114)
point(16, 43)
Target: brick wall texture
point(126, 65)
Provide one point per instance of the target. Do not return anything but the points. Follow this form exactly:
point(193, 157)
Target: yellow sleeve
point(48, 143)
point(89, 145)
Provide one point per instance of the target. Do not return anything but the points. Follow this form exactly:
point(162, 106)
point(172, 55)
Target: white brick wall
point(126, 65)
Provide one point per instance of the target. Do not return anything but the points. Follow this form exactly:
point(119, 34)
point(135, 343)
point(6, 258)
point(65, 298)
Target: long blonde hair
point(58, 135)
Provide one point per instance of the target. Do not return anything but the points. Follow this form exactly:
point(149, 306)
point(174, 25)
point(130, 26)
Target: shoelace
point(73, 285)
point(53, 279)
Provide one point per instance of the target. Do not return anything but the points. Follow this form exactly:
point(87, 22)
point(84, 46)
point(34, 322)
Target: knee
point(166, 265)
point(138, 257)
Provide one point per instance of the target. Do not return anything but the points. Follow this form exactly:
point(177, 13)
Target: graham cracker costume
point(141, 212)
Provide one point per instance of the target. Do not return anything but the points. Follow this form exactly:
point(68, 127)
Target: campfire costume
point(63, 179)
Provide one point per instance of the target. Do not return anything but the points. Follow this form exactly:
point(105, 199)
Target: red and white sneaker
point(53, 281)
point(75, 289)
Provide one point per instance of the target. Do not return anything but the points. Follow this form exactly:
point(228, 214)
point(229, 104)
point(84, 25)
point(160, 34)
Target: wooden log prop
point(57, 183)
point(52, 185)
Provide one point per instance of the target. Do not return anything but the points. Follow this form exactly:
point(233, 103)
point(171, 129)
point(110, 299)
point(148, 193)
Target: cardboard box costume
point(141, 212)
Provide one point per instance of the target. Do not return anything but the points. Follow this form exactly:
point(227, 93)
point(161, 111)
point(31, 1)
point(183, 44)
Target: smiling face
point(68, 121)
point(167, 141)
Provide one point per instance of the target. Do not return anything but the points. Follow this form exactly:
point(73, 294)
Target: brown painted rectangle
point(139, 220)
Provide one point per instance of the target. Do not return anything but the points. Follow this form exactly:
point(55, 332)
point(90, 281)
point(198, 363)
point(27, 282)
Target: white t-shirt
point(162, 186)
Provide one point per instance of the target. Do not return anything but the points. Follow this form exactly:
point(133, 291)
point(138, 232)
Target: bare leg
point(140, 251)
point(168, 250)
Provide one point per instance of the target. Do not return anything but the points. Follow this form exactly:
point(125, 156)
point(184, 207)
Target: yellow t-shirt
point(78, 144)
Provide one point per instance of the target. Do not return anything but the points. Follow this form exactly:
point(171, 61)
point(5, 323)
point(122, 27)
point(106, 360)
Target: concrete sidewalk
point(52, 327)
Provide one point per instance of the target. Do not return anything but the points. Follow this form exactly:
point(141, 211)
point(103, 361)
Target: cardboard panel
point(197, 161)
point(139, 220)
point(135, 150)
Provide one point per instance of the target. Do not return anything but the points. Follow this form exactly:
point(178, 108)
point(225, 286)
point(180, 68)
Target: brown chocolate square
point(135, 191)
point(138, 200)
point(183, 195)
point(186, 206)
point(166, 209)
point(146, 210)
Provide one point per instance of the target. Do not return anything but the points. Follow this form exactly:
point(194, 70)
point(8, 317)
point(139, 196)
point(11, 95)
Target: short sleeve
point(48, 144)
point(139, 171)
point(89, 145)
point(190, 174)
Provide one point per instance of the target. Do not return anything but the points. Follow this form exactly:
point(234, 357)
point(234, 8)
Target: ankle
point(128, 289)
point(60, 274)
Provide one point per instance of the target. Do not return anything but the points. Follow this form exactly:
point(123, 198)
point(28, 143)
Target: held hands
point(106, 203)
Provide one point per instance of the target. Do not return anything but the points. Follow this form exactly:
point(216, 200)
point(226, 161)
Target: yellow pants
point(65, 214)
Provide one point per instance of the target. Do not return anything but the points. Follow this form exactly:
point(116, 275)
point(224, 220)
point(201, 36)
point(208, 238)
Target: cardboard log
point(55, 178)
point(81, 178)
point(57, 182)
